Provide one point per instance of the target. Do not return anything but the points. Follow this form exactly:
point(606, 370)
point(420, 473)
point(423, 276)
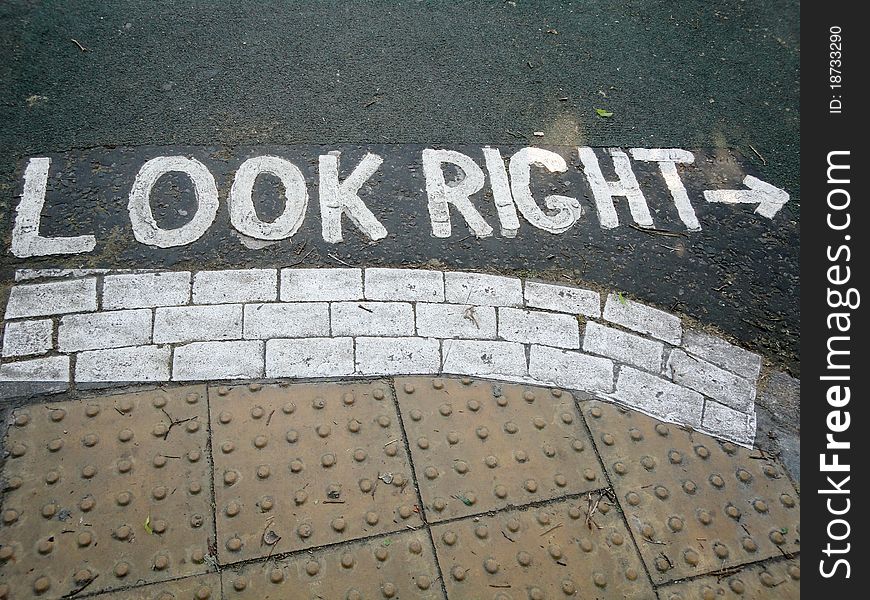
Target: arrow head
point(770, 198)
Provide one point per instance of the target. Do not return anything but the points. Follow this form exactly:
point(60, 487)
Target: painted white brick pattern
point(321, 285)
point(484, 359)
point(643, 319)
point(218, 360)
point(400, 356)
point(55, 298)
point(412, 285)
point(573, 370)
point(719, 384)
point(536, 327)
point(722, 354)
point(135, 364)
point(623, 347)
point(153, 326)
point(312, 357)
point(178, 324)
point(372, 318)
point(146, 290)
point(50, 368)
point(23, 338)
point(563, 298)
point(659, 398)
point(112, 329)
point(286, 320)
point(456, 321)
point(482, 290)
point(227, 287)
point(726, 422)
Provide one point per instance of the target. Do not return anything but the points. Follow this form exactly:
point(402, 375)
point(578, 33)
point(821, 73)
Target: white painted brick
point(23, 338)
point(372, 318)
point(286, 320)
point(727, 423)
point(412, 285)
point(320, 285)
point(111, 329)
point(572, 370)
point(719, 384)
point(623, 347)
point(482, 290)
point(536, 327)
point(484, 359)
point(722, 354)
point(644, 319)
point(397, 356)
point(456, 321)
point(658, 397)
point(311, 357)
point(242, 285)
point(55, 298)
point(139, 363)
point(177, 324)
point(146, 290)
point(563, 298)
point(49, 368)
point(218, 360)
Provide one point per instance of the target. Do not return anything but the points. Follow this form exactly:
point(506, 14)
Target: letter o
point(842, 522)
point(145, 227)
point(244, 217)
point(841, 192)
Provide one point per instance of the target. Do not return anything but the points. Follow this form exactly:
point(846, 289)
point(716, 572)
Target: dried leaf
point(603, 113)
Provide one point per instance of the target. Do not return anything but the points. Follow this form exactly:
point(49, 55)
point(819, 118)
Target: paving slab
point(307, 465)
point(574, 548)
point(771, 580)
point(695, 505)
point(106, 492)
point(399, 565)
point(479, 446)
point(197, 587)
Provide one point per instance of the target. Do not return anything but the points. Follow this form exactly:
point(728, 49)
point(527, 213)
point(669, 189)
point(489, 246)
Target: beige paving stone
point(305, 465)
point(106, 492)
point(479, 446)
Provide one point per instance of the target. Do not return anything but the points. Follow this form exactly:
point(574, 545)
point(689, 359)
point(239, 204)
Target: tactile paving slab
point(106, 492)
point(304, 465)
point(400, 565)
point(479, 446)
point(574, 548)
point(200, 587)
point(694, 504)
point(773, 580)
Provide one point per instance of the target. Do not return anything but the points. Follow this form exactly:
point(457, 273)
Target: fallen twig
point(77, 43)
point(758, 154)
point(173, 422)
point(664, 232)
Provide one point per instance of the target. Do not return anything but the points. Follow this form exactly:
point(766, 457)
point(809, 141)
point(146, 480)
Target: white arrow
point(769, 197)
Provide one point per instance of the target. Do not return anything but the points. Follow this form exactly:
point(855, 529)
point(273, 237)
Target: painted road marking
point(452, 180)
point(251, 323)
point(770, 199)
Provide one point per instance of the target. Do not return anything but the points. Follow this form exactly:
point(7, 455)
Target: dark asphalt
point(693, 74)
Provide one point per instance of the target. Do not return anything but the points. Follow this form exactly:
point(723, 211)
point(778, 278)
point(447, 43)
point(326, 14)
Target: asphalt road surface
point(81, 78)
